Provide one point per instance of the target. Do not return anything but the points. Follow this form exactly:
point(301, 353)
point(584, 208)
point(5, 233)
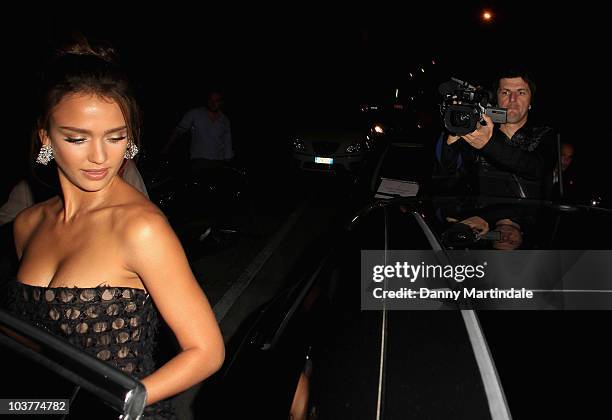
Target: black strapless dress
point(115, 324)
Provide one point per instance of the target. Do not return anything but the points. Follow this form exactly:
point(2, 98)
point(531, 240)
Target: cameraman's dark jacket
point(518, 167)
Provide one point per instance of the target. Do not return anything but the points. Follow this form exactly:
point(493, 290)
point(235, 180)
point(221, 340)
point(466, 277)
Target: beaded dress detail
point(115, 324)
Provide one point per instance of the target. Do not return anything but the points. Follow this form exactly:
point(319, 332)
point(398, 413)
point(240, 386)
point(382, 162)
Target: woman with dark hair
point(99, 260)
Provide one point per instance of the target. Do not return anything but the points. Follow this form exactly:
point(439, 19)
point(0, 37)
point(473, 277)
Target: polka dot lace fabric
point(115, 324)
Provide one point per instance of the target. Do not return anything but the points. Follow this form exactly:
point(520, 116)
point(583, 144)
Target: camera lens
point(461, 119)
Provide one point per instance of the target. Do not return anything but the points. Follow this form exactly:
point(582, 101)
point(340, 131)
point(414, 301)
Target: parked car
point(333, 141)
point(463, 363)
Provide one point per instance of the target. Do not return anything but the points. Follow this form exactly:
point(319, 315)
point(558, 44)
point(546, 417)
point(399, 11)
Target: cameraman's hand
point(481, 136)
point(478, 224)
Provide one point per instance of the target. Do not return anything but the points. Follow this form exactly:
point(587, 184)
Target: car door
point(39, 365)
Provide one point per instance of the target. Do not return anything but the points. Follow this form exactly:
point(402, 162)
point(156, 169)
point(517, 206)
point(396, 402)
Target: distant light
point(410, 74)
point(299, 145)
point(396, 93)
point(487, 15)
point(433, 62)
point(422, 70)
point(379, 129)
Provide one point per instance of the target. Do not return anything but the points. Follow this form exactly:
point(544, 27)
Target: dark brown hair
point(523, 73)
point(81, 67)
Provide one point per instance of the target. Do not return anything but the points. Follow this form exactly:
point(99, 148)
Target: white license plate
point(327, 161)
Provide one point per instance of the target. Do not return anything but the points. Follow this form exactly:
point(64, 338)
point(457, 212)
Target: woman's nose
point(97, 153)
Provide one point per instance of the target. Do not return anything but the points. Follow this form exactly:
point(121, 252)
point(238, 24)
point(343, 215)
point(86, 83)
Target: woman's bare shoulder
point(146, 239)
point(139, 218)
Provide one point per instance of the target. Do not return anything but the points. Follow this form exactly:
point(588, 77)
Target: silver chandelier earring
point(45, 154)
point(131, 151)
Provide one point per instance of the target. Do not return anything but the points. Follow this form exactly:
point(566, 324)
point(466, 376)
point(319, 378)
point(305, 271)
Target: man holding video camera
point(513, 158)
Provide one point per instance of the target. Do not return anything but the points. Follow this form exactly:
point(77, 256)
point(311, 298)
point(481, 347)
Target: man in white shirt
point(211, 136)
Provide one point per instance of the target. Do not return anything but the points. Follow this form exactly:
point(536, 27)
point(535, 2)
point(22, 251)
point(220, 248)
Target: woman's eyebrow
point(112, 130)
point(83, 131)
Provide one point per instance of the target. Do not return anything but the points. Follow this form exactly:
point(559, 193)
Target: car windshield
point(331, 118)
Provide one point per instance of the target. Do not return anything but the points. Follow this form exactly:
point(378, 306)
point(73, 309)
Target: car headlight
point(378, 129)
point(299, 145)
point(354, 148)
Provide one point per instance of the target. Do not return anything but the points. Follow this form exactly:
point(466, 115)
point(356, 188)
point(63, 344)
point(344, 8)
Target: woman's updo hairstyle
point(79, 66)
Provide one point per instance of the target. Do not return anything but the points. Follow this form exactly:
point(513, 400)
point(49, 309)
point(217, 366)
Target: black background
point(276, 61)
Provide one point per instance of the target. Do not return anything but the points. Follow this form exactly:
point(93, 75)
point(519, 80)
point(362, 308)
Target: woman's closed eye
point(117, 139)
point(75, 140)
point(79, 140)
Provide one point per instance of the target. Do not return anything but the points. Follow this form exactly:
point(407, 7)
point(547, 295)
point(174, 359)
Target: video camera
point(463, 106)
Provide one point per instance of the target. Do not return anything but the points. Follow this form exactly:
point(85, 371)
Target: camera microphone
point(448, 86)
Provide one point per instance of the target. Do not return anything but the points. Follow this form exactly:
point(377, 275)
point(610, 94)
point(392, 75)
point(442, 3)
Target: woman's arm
point(156, 255)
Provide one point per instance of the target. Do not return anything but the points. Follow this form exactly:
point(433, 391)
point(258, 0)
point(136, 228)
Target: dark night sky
point(274, 61)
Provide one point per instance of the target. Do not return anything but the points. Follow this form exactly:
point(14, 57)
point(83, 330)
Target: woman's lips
point(95, 174)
